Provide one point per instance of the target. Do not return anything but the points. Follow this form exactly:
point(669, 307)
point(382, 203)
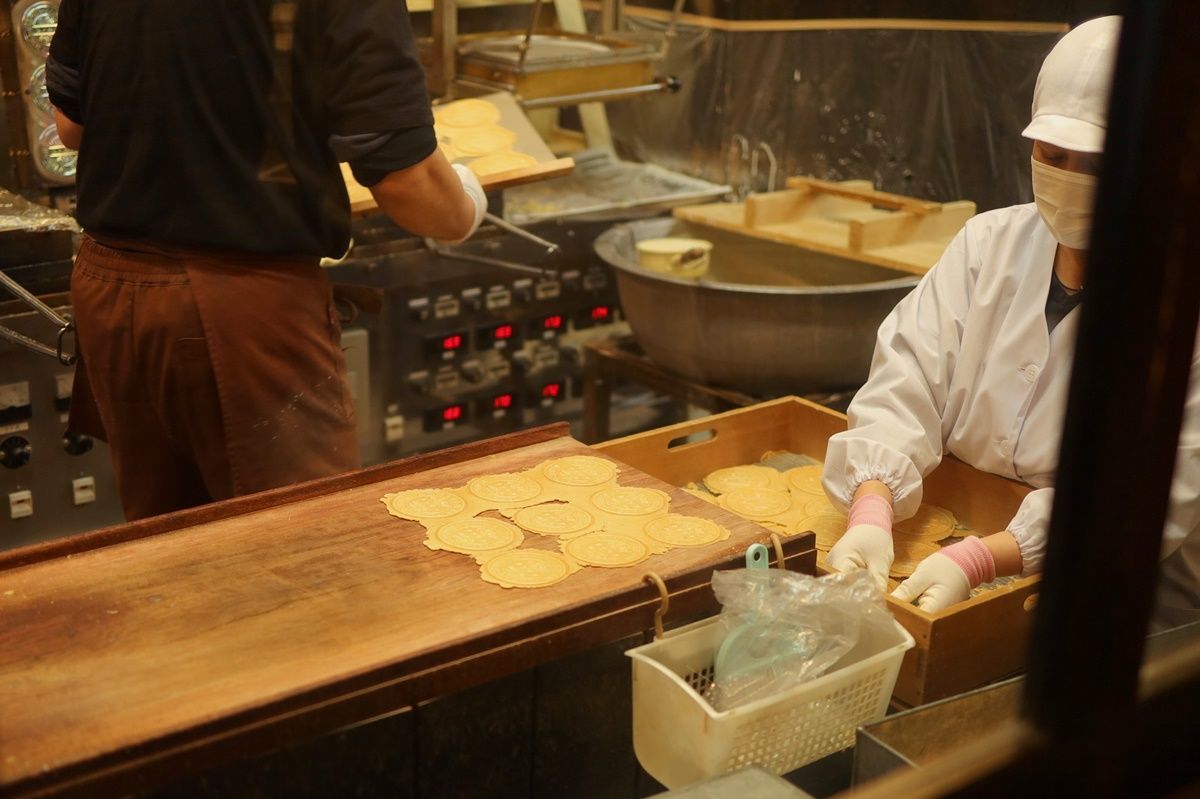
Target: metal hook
point(773, 164)
point(657, 581)
point(777, 542)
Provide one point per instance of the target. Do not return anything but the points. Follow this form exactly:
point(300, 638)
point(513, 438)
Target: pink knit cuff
point(871, 509)
point(974, 558)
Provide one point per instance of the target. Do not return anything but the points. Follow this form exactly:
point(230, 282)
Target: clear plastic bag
point(784, 628)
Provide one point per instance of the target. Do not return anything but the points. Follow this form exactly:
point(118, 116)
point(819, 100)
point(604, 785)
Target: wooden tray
point(959, 648)
point(136, 653)
point(362, 202)
point(849, 219)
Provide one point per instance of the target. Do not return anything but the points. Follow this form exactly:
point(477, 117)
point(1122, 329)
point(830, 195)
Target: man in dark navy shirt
point(209, 136)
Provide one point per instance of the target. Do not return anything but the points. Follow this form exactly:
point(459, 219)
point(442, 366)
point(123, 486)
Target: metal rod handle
point(32, 301)
point(523, 48)
point(508, 227)
point(670, 84)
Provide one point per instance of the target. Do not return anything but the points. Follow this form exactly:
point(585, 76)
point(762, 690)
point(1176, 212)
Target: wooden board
point(848, 219)
point(148, 645)
point(959, 648)
point(362, 202)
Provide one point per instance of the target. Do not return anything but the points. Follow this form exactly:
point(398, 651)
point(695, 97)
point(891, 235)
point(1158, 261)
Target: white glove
point(473, 190)
point(937, 583)
point(864, 546)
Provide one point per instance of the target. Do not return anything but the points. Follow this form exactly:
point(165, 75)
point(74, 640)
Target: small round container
point(679, 257)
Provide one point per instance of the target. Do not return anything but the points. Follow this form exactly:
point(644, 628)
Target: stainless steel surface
point(750, 783)
point(907, 739)
point(661, 85)
point(603, 185)
point(484, 260)
point(768, 319)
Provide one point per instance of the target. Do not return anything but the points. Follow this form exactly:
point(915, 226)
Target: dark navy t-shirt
point(202, 129)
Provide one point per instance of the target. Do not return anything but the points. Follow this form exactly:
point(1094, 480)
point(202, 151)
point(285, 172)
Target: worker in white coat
point(976, 362)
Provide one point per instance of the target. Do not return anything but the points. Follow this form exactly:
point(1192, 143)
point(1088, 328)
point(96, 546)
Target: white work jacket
point(966, 364)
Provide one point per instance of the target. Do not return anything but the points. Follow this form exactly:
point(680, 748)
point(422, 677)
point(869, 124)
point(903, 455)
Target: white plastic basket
point(679, 738)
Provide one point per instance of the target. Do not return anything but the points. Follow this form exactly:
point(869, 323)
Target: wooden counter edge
point(171, 522)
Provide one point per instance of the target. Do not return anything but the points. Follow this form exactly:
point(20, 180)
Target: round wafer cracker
point(579, 470)
point(526, 568)
point(909, 554)
point(554, 519)
point(477, 536)
point(502, 161)
point(684, 531)
point(756, 503)
point(930, 523)
point(806, 478)
point(467, 113)
point(425, 503)
point(630, 501)
point(734, 477)
point(818, 505)
point(482, 141)
point(829, 527)
point(608, 550)
point(504, 488)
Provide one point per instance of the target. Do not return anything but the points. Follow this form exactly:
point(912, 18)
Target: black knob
point(15, 452)
point(77, 443)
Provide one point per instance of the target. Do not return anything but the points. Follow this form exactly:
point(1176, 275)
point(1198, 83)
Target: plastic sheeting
point(19, 214)
point(932, 114)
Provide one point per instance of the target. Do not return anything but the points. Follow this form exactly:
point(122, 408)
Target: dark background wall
point(1072, 11)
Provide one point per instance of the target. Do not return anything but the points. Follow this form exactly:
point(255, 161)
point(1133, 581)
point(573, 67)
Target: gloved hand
point(868, 542)
point(864, 546)
point(947, 577)
point(474, 191)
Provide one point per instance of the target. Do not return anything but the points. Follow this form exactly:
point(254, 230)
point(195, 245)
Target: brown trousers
point(210, 375)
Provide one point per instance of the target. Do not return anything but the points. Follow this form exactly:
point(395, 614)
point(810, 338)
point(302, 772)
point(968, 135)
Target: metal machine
point(474, 342)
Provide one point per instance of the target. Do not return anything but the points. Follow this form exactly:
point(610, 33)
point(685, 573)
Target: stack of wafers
point(575, 501)
point(793, 501)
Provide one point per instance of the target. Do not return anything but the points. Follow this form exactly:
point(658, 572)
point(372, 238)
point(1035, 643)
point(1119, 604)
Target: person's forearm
point(70, 133)
point(427, 199)
point(1005, 552)
point(874, 487)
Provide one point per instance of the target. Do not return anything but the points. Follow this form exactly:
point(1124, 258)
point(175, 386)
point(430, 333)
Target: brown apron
point(209, 374)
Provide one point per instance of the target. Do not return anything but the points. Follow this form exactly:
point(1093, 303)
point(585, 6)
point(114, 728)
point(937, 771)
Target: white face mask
point(1064, 199)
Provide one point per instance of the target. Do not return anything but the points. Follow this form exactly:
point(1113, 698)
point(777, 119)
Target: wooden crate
point(960, 648)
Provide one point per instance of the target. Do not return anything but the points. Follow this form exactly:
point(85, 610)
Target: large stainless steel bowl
point(768, 319)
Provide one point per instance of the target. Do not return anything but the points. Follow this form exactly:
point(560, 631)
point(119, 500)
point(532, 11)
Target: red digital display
point(554, 322)
point(452, 342)
point(452, 413)
point(503, 333)
point(601, 313)
point(502, 402)
point(552, 390)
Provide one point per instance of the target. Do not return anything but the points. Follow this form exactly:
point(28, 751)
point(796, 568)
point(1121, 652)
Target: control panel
point(51, 483)
point(467, 349)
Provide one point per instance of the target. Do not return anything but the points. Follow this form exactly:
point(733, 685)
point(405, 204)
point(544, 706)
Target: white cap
point(1070, 101)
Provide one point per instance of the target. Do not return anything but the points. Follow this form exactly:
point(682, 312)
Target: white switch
point(84, 490)
point(393, 429)
point(20, 504)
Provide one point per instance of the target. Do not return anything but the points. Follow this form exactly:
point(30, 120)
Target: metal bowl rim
point(607, 251)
